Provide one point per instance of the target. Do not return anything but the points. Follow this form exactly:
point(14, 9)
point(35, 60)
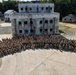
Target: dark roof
point(72, 16)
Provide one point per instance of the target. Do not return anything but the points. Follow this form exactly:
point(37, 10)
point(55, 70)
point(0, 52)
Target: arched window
point(26, 31)
point(40, 21)
point(20, 31)
point(37, 8)
point(51, 21)
point(42, 8)
point(31, 30)
point(70, 19)
point(21, 9)
point(46, 21)
point(65, 19)
point(46, 30)
point(40, 30)
point(26, 8)
point(50, 29)
point(19, 22)
point(46, 8)
point(25, 22)
point(30, 8)
point(31, 22)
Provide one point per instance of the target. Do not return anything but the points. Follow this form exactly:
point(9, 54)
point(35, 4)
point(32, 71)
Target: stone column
point(22, 27)
point(54, 26)
point(14, 27)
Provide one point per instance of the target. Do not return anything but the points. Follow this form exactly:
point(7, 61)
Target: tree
point(1, 7)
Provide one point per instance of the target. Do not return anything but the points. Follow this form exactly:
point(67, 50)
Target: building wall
point(7, 17)
point(68, 19)
point(38, 26)
point(36, 8)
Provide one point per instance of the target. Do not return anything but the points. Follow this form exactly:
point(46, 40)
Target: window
point(31, 30)
point(50, 8)
point(6, 18)
point(22, 9)
point(37, 8)
point(65, 19)
point(26, 31)
point(31, 22)
point(40, 30)
point(20, 31)
point(46, 21)
point(42, 8)
point(26, 8)
point(50, 29)
point(41, 22)
point(70, 19)
point(30, 8)
point(51, 21)
point(46, 8)
point(25, 22)
point(46, 30)
point(19, 22)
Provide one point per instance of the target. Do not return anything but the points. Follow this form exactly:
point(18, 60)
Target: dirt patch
point(68, 24)
point(69, 29)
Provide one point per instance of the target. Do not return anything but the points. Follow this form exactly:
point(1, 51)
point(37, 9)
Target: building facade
point(35, 19)
point(7, 15)
point(69, 18)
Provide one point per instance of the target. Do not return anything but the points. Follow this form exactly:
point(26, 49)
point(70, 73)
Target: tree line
point(64, 7)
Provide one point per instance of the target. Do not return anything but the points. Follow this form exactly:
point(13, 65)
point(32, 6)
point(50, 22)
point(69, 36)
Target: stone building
point(35, 19)
point(7, 15)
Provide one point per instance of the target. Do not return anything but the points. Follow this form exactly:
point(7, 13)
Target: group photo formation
point(18, 44)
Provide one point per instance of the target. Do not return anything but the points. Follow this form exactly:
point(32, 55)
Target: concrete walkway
point(39, 62)
point(5, 24)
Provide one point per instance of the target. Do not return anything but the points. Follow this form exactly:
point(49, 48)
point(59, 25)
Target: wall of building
point(36, 8)
point(7, 16)
point(68, 19)
point(36, 26)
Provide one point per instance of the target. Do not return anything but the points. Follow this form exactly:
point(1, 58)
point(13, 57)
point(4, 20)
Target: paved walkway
point(5, 24)
point(39, 62)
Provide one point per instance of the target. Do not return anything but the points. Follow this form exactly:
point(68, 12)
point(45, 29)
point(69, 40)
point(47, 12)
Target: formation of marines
point(18, 44)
